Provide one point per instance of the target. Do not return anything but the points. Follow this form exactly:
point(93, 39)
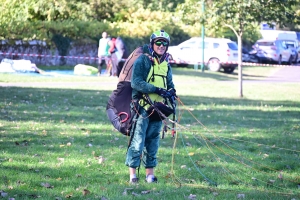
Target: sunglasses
point(158, 43)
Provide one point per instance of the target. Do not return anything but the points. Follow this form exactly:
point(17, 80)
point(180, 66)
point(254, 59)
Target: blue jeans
point(145, 142)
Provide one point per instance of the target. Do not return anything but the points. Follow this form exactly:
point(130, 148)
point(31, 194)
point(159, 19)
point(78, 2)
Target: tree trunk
point(239, 37)
point(240, 71)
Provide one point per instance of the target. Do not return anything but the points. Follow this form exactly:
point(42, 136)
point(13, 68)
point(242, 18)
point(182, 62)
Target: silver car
point(218, 53)
point(274, 51)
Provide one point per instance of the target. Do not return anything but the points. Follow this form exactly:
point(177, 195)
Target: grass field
point(57, 143)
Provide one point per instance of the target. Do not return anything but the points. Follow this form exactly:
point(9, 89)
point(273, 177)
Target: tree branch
point(231, 27)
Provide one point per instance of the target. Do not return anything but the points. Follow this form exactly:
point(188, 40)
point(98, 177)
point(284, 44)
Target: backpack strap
point(126, 72)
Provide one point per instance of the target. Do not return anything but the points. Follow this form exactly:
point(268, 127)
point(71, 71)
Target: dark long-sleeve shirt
point(141, 68)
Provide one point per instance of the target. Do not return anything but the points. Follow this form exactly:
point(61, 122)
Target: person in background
point(103, 54)
point(152, 75)
point(122, 54)
point(113, 56)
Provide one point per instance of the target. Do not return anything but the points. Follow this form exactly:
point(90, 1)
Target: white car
point(218, 53)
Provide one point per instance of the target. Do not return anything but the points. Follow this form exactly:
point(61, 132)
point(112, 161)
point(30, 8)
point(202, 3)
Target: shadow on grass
point(38, 123)
point(64, 106)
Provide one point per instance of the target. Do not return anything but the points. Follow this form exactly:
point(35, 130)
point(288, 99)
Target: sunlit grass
point(56, 141)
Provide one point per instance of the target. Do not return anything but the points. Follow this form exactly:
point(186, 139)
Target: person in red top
point(114, 59)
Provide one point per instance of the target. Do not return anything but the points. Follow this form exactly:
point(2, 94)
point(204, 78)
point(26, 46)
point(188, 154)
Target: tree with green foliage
point(240, 15)
point(86, 19)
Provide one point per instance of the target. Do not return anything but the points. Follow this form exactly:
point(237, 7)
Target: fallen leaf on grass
point(85, 192)
point(47, 185)
point(191, 153)
point(69, 195)
point(101, 160)
point(266, 155)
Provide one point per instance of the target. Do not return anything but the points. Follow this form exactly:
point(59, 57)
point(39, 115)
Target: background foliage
point(134, 20)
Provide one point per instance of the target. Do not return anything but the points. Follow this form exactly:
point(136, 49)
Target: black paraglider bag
point(159, 111)
point(118, 108)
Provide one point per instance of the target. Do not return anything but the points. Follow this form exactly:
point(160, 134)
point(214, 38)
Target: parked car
point(249, 56)
point(245, 55)
point(218, 53)
point(274, 51)
point(277, 46)
point(294, 47)
point(298, 53)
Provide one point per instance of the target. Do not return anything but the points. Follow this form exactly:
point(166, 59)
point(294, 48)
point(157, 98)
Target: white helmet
point(160, 34)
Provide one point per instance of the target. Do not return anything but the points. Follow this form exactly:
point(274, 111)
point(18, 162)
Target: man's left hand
point(172, 92)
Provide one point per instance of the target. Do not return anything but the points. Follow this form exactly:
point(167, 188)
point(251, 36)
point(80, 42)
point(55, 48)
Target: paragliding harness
point(122, 110)
point(159, 111)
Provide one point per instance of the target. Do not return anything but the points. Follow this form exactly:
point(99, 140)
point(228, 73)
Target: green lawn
point(57, 143)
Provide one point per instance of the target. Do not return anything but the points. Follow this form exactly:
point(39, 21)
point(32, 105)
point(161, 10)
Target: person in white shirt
point(103, 53)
